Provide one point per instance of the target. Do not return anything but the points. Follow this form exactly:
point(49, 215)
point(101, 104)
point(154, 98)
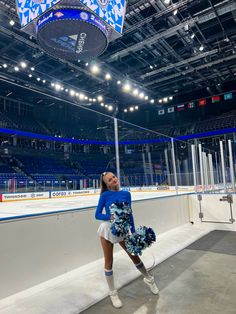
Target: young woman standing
point(111, 193)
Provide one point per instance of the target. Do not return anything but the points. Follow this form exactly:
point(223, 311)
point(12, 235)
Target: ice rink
point(35, 207)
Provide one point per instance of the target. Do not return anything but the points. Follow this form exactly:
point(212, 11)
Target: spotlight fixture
point(102, 104)
point(141, 95)
point(44, 81)
point(160, 101)
point(165, 99)
point(118, 82)
point(135, 92)
point(175, 12)
point(125, 110)
point(16, 69)
point(23, 65)
point(100, 98)
point(201, 48)
point(192, 36)
point(167, 1)
point(30, 75)
point(152, 101)
point(110, 108)
point(72, 92)
point(136, 107)
point(4, 65)
point(170, 97)
point(146, 97)
point(32, 68)
point(95, 69)
point(127, 87)
point(12, 23)
point(108, 76)
point(131, 109)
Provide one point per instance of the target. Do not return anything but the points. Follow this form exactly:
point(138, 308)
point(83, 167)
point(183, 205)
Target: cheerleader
point(111, 193)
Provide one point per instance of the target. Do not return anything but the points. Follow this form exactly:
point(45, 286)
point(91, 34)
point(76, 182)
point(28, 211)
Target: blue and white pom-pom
point(121, 223)
point(140, 240)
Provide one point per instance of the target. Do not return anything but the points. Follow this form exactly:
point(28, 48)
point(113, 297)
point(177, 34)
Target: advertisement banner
point(73, 193)
point(12, 197)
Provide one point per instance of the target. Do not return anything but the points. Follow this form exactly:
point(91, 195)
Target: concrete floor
point(200, 279)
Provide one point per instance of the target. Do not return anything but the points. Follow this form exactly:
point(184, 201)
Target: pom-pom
point(121, 223)
point(140, 240)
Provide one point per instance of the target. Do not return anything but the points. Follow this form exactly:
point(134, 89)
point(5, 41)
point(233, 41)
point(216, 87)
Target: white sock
point(140, 266)
point(110, 279)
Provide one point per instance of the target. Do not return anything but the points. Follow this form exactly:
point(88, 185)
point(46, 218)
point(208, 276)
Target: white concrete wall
point(213, 210)
point(38, 249)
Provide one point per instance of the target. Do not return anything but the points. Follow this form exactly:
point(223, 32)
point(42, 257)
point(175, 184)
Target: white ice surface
point(20, 208)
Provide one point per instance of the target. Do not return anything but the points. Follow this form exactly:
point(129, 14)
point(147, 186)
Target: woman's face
point(112, 182)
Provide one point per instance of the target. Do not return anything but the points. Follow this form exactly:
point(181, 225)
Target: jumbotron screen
point(111, 11)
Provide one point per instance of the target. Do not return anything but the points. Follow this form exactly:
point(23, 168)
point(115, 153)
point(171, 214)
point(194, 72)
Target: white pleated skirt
point(104, 231)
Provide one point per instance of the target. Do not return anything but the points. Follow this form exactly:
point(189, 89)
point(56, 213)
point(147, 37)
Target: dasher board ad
point(111, 11)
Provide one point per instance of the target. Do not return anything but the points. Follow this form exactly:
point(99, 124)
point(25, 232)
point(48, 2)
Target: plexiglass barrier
point(76, 149)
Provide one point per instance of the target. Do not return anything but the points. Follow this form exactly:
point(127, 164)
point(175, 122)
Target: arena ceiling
point(167, 49)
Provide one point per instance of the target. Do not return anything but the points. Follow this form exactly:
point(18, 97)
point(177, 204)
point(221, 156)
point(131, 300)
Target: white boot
point(152, 285)
point(115, 300)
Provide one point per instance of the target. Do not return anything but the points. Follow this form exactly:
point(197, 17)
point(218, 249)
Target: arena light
point(141, 95)
point(165, 99)
point(86, 97)
point(167, 1)
point(44, 81)
point(170, 97)
point(106, 106)
point(72, 92)
point(131, 109)
point(160, 101)
point(66, 90)
point(102, 104)
point(32, 68)
point(127, 87)
point(135, 92)
point(16, 69)
point(81, 96)
point(151, 67)
point(95, 69)
point(52, 84)
point(100, 98)
point(4, 65)
point(94, 99)
point(90, 99)
point(30, 75)
point(125, 110)
point(86, 64)
point(118, 82)
point(110, 108)
point(39, 79)
point(108, 76)
point(152, 101)
point(136, 107)
point(201, 48)
point(192, 36)
point(175, 12)
point(146, 97)
point(23, 64)
point(12, 23)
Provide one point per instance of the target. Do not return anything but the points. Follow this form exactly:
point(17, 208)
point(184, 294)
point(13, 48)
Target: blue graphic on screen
point(111, 11)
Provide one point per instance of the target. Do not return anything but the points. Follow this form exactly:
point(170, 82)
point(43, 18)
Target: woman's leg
point(107, 247)
point(137, 261)
point(148, 279)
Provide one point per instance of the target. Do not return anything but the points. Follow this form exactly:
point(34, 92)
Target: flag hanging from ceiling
point(170, 109)
point(215, 98)
point(180, 107)
point(228, 96)
point(160, 112)
point(202, 102)
point(191, 105)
